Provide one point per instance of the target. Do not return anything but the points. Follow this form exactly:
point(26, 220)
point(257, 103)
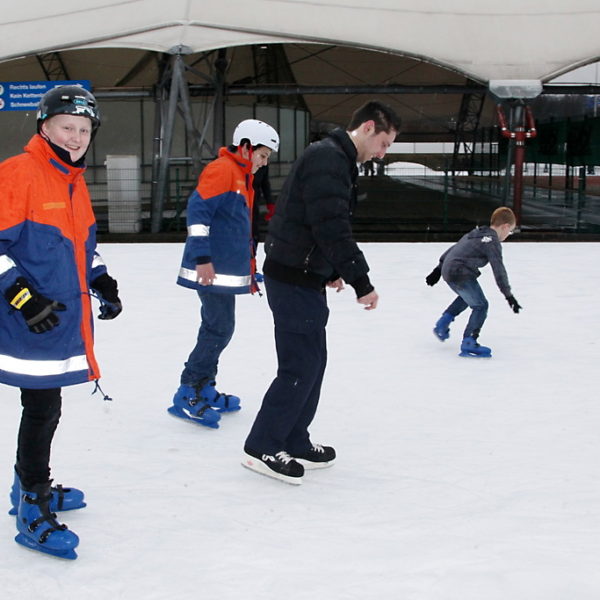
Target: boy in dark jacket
point(459, 266)
point(309, 247)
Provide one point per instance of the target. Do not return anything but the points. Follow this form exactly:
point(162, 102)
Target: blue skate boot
point(37, 525)
point(189, 404)
point(442, 327)
point(470, 348)
point(220, 402)
point(63, 498)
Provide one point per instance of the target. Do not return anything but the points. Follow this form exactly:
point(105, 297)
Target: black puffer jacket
point(310, 238)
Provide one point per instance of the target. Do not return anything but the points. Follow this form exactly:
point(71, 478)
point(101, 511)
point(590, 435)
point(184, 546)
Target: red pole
point(524, 129)
point(519, 160)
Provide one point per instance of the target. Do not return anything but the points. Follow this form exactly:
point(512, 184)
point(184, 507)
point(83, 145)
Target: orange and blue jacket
point(219, 227)
point(47, 236)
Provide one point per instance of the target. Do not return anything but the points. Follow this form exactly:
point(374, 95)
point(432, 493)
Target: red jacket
point(47, 236)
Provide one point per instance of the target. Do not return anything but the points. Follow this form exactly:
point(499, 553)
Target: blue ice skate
point(217, 400)
point(442, 327)
point(63, 498)
point(470, 348)
point(188, 404)
point(37, 525)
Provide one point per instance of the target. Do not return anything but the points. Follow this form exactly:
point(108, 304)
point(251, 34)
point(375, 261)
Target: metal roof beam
point(287, 90)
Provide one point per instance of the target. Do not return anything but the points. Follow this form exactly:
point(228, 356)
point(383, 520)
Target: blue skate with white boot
point(62, 498)
point(471, 349)
point(442, 327)
point(37, 525)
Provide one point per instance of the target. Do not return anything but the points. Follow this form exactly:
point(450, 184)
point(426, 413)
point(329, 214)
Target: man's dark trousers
point(300, 315)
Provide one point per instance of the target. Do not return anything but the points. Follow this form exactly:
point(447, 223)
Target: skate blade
point(471, 355)
point(313, 466)
point(175, 412)
point(227, 410)
point(253, 464)
point(29, 543)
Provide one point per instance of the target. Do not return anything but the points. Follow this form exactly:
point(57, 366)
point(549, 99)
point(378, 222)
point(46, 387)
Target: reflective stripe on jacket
point(47, 236)
point(219, 227)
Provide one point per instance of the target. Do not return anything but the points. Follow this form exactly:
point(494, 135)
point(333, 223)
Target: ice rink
point(456, 479)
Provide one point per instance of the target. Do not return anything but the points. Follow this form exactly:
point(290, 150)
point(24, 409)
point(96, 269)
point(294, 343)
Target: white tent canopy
point(536, 39)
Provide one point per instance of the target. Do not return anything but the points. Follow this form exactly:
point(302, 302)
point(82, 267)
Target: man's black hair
point(382, 115)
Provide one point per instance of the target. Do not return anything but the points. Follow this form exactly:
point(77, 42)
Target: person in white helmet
point(218, 263)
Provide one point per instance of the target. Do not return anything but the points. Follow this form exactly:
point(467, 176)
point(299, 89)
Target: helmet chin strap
point(63, 154)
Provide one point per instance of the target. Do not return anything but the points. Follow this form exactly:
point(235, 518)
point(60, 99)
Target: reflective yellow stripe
point(23, 296)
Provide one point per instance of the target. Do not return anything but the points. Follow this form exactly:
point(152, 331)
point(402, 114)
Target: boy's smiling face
point(72, 133)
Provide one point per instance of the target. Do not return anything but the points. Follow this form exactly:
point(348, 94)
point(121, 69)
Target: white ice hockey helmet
point(258, 132)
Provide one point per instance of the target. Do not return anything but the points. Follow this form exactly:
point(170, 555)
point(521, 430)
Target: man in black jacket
point(309, 246)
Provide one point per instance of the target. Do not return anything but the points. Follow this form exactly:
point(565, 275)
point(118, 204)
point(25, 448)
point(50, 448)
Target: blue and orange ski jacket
point(47, 236)
point(219, 214)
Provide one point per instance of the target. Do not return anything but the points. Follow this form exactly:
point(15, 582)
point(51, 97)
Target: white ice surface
point(457, 479)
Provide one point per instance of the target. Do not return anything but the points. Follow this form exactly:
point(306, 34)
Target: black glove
point(434, 276)
point(512, 302)
point(37, 310)
point(110, 305)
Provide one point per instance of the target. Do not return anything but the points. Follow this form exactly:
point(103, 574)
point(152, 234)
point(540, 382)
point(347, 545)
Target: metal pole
point(580, 197)
point(509, 152)
point(161, 188)
point(156, 145)
point(189, 123)
point(219, 112)
point(519, 159)
point(446, 182)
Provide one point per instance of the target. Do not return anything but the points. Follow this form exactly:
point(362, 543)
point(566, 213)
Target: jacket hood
point(245, 164)
point(480, 232)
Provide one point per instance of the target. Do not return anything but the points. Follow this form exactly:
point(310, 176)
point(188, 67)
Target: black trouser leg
point(39, 419)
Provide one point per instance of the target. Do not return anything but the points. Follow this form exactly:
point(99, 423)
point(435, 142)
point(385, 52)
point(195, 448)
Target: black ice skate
point(279, 466)
point(318, 457)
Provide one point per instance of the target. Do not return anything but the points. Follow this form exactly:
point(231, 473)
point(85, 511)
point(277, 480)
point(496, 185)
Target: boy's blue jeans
point(470, 295)
point(216, 329)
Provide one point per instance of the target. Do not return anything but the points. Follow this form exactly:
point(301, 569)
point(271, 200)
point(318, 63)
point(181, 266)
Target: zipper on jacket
point(307, 259)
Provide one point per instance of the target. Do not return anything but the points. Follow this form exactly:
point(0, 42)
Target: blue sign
point(25, 95)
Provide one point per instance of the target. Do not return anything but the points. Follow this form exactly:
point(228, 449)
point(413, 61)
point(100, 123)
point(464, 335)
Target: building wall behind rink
point(128, 129)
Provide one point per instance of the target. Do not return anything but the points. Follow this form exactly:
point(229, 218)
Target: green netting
point(566, 142)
